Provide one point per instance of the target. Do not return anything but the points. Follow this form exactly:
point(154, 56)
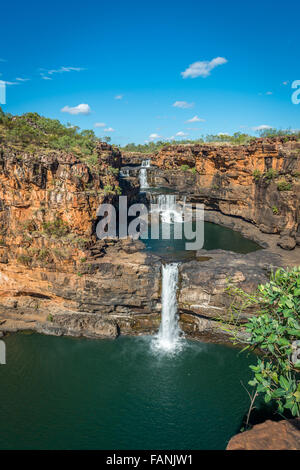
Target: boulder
point(270, 435)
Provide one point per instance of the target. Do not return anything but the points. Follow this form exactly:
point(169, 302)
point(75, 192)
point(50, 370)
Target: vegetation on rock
point(274, 332)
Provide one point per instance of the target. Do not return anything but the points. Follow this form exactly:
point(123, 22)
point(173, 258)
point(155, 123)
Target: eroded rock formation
point(56, 277)
point(259, 182)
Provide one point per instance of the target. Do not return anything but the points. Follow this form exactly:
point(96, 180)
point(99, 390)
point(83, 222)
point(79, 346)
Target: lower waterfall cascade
point(168, 337)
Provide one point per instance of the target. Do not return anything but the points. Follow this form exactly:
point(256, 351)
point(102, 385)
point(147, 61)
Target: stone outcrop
point(57, 278)
point(204, 300)
point(135, 158)
point(270, 435)
point(259, 182)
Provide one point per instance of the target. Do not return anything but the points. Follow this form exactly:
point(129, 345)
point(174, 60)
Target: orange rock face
point(259, 182)
point(49, 195)
point(284, 435)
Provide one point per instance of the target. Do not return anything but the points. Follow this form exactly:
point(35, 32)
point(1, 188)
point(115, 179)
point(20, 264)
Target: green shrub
point(113, 171)
point(26, 260)
point(194, 170)
point(275, 210)
point(284, 186)
point(270, 174)
point(257, 174)
point(57, 228)
point(275, 332)
point(50, 318)
point(184, 167)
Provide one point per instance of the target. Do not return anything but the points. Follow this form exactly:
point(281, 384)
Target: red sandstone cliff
point(259, 182)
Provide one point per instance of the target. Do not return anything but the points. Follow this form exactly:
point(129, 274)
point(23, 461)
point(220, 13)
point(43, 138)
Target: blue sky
point(91, 52)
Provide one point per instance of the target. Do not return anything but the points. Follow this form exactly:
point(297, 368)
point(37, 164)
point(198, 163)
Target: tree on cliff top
point(36, 131)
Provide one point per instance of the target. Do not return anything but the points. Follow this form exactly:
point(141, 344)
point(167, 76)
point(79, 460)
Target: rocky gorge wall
point(259, 182)
point(55, 277)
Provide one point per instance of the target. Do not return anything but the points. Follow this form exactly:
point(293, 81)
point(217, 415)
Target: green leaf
point(284, 382)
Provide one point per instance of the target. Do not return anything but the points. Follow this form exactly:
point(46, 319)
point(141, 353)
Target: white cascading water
point(124, 172)
point(143, 174)
point(168, 337)
point(168, 209)
point(143, 178)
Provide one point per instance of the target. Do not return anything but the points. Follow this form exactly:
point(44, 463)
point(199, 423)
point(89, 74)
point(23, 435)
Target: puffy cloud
point(109, 129)
point(180, 134)
point(79, 109)
point(99, 124)
point(154, 136)
point(262, 127)
point(203, 68)
point(183, 104)
point(195, 119)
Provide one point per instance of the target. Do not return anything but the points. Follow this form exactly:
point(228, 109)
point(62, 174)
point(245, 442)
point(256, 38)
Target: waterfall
point(124, 172)
point(168, 209)
point(168, 337)
point(143, 178)
point(143, 173)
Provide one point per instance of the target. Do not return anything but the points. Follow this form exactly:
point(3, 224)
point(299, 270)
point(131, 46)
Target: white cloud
point(65, 69)
point(195, 119)
point(119, 97)
point(222, 133)
point(180, 134)
point(182, 104)
point(269, 93)
point(203, 69)
point(79, 109)
point(19, 79)
point(109, 129)
point(285, 83)
point(45, 73)
point(99, 124)
point(261, 127)
point(10, 83)
point(154, 136)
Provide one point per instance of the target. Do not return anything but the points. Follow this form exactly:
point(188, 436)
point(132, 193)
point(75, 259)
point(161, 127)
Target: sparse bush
point(270, 174)
point(257, 174)
point(113, 171)
point(26, 260)
point(184, 167)
point(275, 210)
point(57, 228)
point(284, 186)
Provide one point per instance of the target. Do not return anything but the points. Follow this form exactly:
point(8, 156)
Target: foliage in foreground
point(275, 333)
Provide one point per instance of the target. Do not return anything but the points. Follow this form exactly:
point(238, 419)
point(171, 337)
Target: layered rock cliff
point(56, 277)
point(259, 182)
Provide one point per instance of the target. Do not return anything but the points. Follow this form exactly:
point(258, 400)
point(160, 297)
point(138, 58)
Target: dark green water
point(215, 237)
point(67, 393)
